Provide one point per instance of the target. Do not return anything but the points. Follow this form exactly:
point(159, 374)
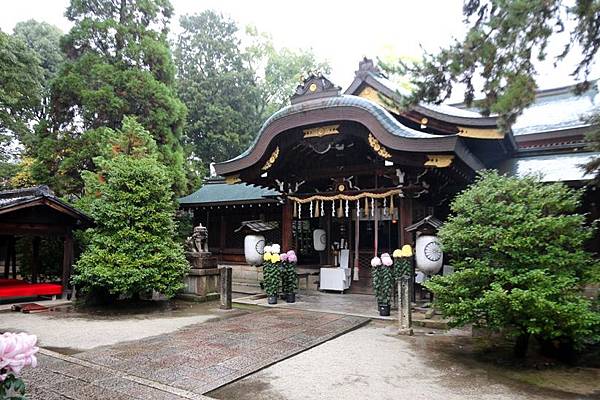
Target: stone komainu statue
point(198, 242)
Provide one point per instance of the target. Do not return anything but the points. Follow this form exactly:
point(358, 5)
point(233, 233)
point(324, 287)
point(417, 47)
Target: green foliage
point(517, 247)
point(118, 63)
point(383, 283)
point(504, 41)
point(131, 249)
point(230, 90)
point(216, 85)
point(289, 280)
point(20, 92)
point(12, 388)
point(401, 268)
point(277, 71)
point(271, 278)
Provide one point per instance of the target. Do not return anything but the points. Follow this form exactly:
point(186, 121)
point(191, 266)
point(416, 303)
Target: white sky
point(341, 32)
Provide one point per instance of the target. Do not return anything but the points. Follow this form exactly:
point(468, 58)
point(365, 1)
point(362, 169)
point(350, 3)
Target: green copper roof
point(216, 191)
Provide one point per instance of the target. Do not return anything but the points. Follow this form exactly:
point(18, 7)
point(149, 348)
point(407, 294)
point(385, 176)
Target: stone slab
point(204, 357)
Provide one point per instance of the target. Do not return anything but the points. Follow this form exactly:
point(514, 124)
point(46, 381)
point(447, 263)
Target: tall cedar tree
point(21, 80)
point(217, 86)
point(517, 247)
point(504, 41)
point(131, 249)
point(118, 63)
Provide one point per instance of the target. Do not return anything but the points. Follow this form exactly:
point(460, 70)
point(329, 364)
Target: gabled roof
point(369, 75)
point(558, 109)
point(218, 191)
point(17, 199)
point(563, 167)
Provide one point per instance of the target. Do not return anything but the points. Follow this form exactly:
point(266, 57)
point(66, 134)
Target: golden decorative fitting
point(424, 121)
point(479, 133)
point(232, 179)
point(271, 159)
point(439, 160)
point(312, 87)
point(377, 147)
point(321, 131)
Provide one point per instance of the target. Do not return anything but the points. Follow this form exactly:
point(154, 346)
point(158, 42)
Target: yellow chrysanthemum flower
point(406, 251)
point(267, 256)
point(275, 258)
point(397, 253)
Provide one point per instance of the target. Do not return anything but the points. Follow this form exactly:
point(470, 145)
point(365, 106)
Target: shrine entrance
point(351, 177)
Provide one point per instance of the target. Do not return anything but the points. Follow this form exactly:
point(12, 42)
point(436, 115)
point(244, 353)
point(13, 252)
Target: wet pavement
point(198, 358)
point(375, 363)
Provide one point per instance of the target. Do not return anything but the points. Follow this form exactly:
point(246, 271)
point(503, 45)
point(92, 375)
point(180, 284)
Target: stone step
point(431, 323)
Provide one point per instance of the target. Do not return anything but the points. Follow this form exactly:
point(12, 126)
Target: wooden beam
point(286, 226)
point(31, 229)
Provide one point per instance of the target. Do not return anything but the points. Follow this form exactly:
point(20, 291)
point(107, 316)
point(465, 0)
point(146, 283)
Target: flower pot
point(384, 310)
point(290, 297)
point(272, 299)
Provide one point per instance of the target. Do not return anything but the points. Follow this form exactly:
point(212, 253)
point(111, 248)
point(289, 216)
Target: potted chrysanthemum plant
point(289, 281)
point(383, 282)
point(17, 351)
point(271, 272)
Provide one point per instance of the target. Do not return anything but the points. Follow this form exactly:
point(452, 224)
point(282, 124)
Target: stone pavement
point(191, 361)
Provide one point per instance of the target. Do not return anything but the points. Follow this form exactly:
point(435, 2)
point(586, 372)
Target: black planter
point(290, 297)
point(384, 310)
point(272, 299)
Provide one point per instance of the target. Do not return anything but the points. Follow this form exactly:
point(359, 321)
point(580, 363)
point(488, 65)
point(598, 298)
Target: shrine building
point(354, 167)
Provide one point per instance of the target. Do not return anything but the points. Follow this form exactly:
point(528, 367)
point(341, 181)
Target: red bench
point(17, 288)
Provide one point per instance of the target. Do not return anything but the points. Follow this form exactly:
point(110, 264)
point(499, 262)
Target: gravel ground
point(68, 331)
point(373, 363)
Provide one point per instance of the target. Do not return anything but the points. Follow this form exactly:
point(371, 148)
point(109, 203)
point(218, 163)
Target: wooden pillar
point(405, 214)
point(286, 225)
point(7, 257)
point(67, 261)
point(35, 264)
point(13, 256)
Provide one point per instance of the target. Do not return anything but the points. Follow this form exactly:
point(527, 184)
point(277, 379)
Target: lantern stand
point(428, 253)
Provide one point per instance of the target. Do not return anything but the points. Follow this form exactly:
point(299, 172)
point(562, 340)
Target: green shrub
point(131, 249)
point(517, 247)
point(289, 281)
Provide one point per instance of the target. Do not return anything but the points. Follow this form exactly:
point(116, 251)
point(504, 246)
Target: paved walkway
point(360, 305)
point(193, 360)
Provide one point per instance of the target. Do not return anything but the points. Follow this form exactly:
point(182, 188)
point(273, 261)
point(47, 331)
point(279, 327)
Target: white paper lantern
point(428, 254)
point(254, 246)
point(319, 239)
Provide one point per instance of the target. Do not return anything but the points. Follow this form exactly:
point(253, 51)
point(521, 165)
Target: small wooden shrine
point(35, 212)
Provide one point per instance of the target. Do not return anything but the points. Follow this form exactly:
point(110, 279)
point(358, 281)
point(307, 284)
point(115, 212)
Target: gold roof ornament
point(321, 131)
point(480, 133)
point(378, 148)
point(232, 179)
point(271, 159)
point(439, 160)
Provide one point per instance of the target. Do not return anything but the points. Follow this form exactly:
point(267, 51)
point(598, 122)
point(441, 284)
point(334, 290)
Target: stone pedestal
point(202, 280)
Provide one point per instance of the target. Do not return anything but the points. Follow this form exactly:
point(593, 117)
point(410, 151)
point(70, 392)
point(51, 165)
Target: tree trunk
point(521, 345)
